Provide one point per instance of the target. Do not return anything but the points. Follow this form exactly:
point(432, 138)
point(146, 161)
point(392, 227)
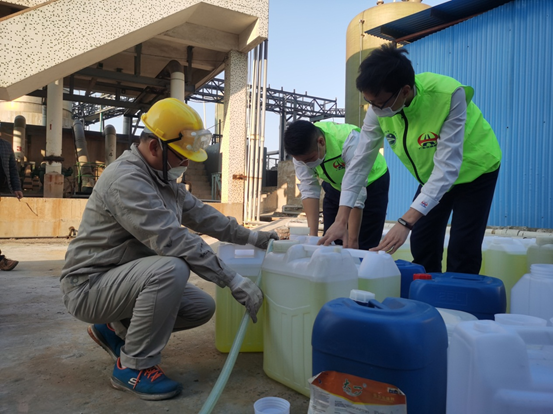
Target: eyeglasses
point(387, 100)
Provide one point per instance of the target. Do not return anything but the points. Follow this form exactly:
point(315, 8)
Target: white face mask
point(317, 162)
point(388, 111)
point(175, 172)
point(314, 164)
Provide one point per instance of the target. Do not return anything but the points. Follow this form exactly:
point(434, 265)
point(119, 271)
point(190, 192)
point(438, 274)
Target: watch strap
point(404, 223)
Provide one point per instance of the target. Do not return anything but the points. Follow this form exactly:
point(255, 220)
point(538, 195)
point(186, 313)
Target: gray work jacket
point(132, 214)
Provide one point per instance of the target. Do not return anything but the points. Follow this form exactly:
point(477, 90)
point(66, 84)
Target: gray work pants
point(154, 294)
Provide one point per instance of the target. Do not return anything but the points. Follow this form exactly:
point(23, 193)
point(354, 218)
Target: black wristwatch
point(404, 223)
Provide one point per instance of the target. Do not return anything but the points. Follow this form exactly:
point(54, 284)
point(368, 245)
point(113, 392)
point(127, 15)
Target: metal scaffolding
point(289, 105)
point(292, 105)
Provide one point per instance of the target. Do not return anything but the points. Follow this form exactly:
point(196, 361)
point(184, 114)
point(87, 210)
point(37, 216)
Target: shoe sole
point(99, 339)
point(118, 385)
point(8, 268)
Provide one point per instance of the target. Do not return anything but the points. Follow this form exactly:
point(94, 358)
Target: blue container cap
point(368, 333)
point(482, 296)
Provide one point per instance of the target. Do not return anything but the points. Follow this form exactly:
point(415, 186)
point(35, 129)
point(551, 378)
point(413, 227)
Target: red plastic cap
point(424, 276)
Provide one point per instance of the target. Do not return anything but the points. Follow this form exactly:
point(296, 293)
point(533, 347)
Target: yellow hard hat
point(180, 126)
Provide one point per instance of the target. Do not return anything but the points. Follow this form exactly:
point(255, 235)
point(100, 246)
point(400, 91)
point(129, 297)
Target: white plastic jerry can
point(246, 261)
point(297, 280)
point(378, 273)
point(500, 369)
point(541, 252)
point(533, 293)
point(506, 260)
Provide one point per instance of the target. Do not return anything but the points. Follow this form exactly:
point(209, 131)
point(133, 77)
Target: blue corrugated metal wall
point(506, 54)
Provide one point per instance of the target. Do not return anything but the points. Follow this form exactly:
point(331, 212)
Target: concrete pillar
point(19, 125)
point(53, 179)
point(111, 144)
point(233, 143)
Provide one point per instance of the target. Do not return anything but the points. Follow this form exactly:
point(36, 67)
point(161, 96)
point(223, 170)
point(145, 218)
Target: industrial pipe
point(53, 178)
point(19, 126)
point(177, 79)
point(262, 166)
point(86, 173)
point(110, 136)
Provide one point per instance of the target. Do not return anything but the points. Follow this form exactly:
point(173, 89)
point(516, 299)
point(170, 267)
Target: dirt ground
point(49, 363)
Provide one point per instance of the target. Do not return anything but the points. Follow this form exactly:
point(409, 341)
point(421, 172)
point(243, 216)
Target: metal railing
point(216, 186)
point(271, 160)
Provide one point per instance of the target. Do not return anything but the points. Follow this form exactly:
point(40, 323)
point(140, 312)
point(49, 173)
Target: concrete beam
point(23, 3)
point(55, 39)
point(191, 34)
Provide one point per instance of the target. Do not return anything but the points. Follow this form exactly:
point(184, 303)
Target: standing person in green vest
point(323, 150)
point(441, 136)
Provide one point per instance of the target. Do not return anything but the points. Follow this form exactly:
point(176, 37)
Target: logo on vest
point(339, 165)
point(391, 139)
point(428, 140)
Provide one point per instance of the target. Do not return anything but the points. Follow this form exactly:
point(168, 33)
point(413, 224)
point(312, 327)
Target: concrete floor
point(49, 363)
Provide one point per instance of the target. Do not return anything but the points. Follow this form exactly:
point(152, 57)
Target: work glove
point(260, 239)
point(246, 292)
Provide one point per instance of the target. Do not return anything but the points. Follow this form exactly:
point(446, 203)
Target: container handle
point(373, 303)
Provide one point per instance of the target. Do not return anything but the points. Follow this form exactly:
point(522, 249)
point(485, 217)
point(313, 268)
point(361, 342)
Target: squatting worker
point(324, 150)
point(127, 270)
point(440, 135)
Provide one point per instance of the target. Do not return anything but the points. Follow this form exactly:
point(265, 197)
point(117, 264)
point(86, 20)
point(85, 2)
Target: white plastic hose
point(219, 386)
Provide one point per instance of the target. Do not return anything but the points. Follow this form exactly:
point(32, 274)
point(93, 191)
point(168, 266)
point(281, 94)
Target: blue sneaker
point(105, 336)
point(147, 384)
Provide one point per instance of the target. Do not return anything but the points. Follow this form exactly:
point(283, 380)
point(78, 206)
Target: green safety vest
point(413, 133)
point(333, 168)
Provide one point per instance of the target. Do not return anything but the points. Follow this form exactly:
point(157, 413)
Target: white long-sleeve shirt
point(447, 159)
point(309, 183)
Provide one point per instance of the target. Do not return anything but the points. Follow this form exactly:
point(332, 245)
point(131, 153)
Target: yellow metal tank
point(359, 45)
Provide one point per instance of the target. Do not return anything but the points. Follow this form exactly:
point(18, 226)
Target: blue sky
point(307, 49)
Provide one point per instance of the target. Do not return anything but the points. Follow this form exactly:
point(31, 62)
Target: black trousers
point(470, 204)
point(374, 213)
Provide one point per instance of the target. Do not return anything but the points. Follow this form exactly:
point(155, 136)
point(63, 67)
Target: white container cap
point(520, 320)
point(542, 270)
point(271, 405)
point(361, 296)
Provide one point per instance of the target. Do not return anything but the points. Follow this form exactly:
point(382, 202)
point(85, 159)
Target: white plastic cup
point(271, 405)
